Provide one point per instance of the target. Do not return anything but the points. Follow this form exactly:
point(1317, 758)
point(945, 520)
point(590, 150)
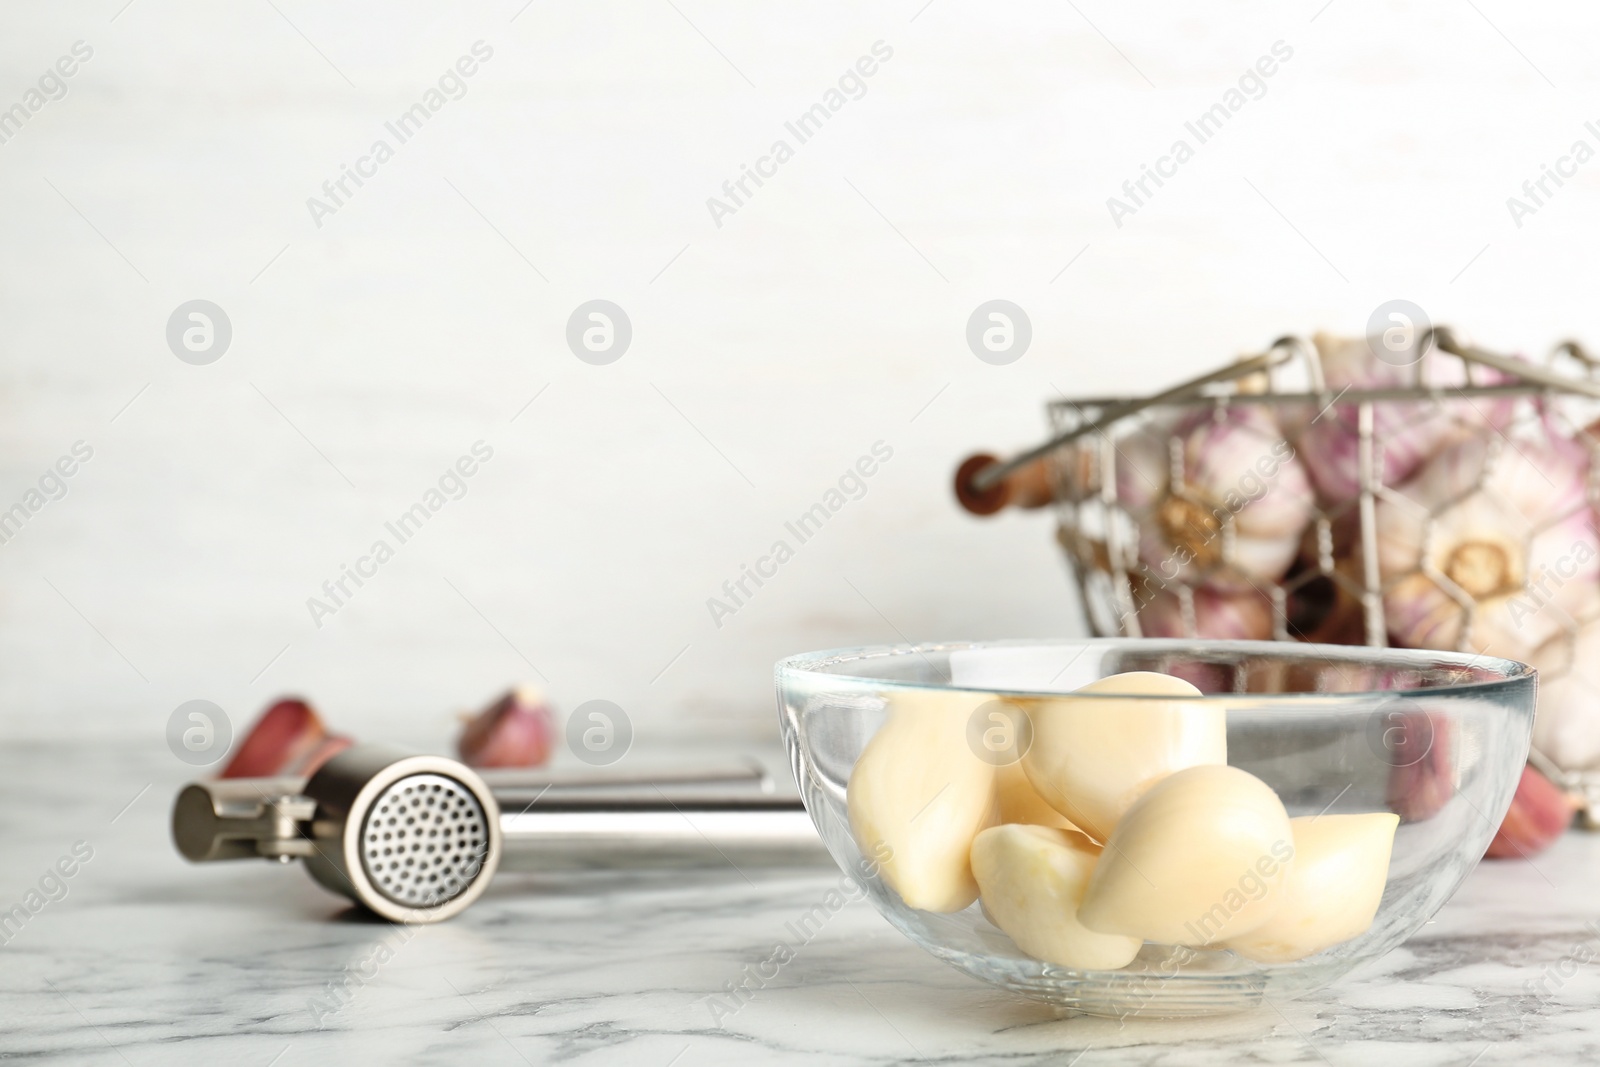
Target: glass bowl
point(1438, 738)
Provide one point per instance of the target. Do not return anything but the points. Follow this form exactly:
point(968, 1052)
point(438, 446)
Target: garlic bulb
point(1144, 467)
point(1567, 726)
point(1508, 529)
point(1140, 459)
point(1341, 864)
point(1218, 613)
point(918, 795)
point(1220, 498)
point(1031, 880)
point(1091, 759)
point(1200, 858)
point(1405, 433)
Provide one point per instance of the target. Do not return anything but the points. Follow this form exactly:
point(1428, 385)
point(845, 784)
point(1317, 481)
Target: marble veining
point(146, 960)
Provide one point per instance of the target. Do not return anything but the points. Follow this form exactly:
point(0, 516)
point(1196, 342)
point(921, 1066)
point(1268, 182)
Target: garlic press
point(417, 838)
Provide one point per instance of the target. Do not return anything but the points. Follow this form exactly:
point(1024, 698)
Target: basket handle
point(985, 484)
point(1027, 486)
point(1528, 372)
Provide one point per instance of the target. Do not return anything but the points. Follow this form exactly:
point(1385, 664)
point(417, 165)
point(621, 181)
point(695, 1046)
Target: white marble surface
point(150, 961)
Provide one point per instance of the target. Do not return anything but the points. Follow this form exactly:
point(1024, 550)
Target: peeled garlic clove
point(1539, 813)
point(1341, 864)
point(1199, 858)
point(1031, 879)
point(918, 795)
point(1019, 802)
point(1090, 759)
point(515, 731)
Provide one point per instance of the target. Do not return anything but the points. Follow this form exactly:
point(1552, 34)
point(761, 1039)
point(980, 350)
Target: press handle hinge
point(242, 819)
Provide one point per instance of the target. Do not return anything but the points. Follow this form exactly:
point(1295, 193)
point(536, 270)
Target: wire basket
point(1450, 502)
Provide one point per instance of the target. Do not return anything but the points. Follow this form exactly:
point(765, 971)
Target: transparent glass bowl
point(1439, 738)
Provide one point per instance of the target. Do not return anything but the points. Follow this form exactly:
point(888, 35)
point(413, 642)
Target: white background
point(827, 314)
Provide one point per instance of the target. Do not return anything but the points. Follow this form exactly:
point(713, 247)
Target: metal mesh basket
point(1378, 556)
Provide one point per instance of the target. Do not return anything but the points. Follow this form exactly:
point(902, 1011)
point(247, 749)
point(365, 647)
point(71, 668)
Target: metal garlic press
point(417, 838)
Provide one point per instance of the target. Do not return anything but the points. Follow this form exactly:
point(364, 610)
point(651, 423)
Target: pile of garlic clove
point(1121, 823)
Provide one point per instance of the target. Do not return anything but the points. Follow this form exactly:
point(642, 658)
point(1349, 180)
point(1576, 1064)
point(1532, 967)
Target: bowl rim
point(1512, 673)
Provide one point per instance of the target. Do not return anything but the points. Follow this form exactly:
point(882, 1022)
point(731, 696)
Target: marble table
point(143, 959)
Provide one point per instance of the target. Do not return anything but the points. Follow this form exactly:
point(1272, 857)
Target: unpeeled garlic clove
point(1031, 880)
point(1201, 857)
point(289, 739)
point(1540, 812)
point(1341, 864)
point(515, 731)
point(1090, 759)
point(918, 795)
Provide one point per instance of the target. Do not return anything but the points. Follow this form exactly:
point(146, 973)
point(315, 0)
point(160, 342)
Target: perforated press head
point(424, 840)
point(414, 838)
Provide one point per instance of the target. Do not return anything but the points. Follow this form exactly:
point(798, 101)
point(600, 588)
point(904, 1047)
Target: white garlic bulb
point(1508, 527)
point(1408, 432)
point(1144, 467)
point(1223, 614)
point(1221, 498)
point(1567, 726)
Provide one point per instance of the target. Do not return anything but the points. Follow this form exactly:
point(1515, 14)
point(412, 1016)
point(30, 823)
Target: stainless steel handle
point(386, 828)
point(745, 830)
